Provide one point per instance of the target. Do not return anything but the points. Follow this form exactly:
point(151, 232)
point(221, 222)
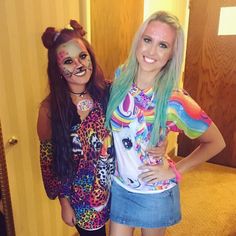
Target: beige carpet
point(208, 197)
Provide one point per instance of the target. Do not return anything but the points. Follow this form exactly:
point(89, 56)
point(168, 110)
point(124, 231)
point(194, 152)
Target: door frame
point(4, 185)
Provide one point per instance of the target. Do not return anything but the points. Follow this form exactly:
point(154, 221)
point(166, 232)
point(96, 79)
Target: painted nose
point(77, 62)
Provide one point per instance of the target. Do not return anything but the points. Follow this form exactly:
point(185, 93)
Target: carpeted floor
point(208, 197)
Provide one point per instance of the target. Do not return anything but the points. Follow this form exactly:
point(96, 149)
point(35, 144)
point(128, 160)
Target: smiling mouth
point(148, 60)
point(81, 71)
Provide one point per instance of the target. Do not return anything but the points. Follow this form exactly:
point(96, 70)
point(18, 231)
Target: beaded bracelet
point(173, 167)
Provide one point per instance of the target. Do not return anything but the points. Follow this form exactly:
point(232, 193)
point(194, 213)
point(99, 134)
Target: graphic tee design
point(132, 124)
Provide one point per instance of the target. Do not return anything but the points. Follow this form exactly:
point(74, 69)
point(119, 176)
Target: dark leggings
point(98, 232)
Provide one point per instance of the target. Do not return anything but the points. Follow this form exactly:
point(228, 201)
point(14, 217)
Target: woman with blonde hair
point(144, 106)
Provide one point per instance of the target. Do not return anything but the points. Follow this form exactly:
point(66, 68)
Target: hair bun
point(76, 26)
point(48, 37)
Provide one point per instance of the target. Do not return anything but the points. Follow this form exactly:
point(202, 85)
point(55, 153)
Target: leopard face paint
point(74, 61)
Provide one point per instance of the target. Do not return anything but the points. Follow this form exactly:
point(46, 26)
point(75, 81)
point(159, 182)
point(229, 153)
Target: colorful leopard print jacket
point(93, 151)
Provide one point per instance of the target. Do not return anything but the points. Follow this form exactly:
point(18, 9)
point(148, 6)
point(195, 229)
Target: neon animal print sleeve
point(50, 181)
point(185, 115)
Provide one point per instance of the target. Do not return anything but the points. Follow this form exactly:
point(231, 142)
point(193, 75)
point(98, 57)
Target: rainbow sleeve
point(185, 115)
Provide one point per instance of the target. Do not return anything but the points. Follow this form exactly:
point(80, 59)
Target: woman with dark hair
point(145, 105)
point(76, 150)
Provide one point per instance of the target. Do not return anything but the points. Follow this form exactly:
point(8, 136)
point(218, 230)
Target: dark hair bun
point(48, 37)
point(77, 27)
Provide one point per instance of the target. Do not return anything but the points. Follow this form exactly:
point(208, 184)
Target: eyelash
point(70, 61)
point(162, 45)
point(67, 61)
point(146, 40)
point(83, 56)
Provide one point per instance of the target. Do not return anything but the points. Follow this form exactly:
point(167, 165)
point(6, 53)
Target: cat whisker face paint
point(74, 61)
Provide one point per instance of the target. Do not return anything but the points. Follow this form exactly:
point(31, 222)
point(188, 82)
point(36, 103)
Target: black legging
point(98, 232)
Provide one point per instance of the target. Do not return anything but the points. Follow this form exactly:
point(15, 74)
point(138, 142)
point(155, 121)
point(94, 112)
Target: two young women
point(77, 155)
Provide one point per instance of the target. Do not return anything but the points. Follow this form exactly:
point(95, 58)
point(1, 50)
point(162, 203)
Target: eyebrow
point(165, 42)
point(65, 58)
point(146, 35)
point(83, 52)
point(162, 41)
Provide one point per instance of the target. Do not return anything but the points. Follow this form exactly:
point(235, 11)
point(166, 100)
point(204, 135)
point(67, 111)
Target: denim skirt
point(145, 210)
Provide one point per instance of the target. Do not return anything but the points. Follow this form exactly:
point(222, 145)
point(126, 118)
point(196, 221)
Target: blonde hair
point(166, 80)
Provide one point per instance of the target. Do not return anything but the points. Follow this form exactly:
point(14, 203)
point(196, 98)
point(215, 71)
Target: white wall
point(85, 17)
point(176, 7)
